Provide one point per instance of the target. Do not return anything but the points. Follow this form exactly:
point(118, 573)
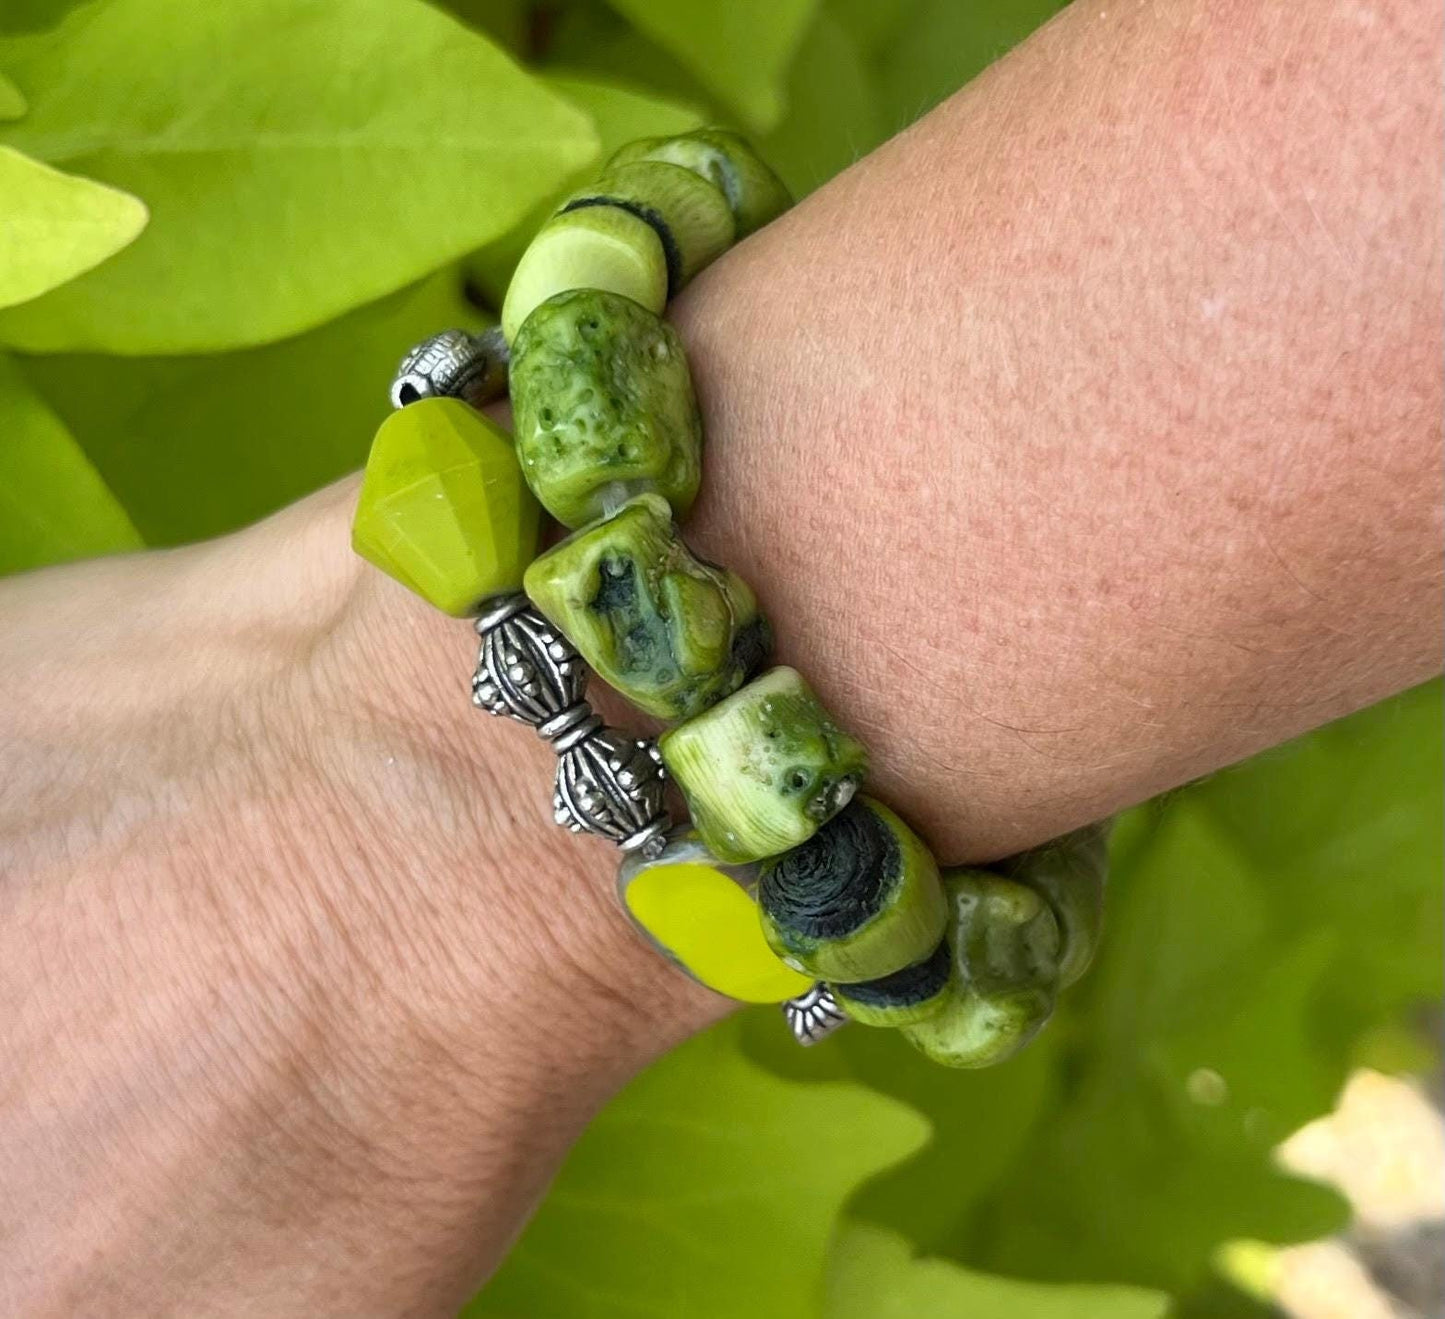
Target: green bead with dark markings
point(724, 158)
point(1006, 949)
point(603, 407)
point(671, 632)
point(903, 998)
point(764, 767)
point(860, 900)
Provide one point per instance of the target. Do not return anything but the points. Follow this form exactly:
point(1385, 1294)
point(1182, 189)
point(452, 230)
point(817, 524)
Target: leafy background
point(219, 227)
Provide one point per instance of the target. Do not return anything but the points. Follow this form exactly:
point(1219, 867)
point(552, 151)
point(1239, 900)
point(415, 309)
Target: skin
point(1083, 439)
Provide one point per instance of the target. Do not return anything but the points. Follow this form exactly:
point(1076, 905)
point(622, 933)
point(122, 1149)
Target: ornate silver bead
point(454, 364)
point(612, 785)
point(526, 669)
point(814, 1015)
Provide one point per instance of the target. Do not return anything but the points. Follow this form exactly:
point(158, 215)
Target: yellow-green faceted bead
point(1006, 952)
point(443, 506)
point(904, 997)
point(754, 193)
point(593, 247)
point(603, 406)
point(764, 767)
point(670, 632)
point(690, 216)
point(700, 913)
point(859, 900)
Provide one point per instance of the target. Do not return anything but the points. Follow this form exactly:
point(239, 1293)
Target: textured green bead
point(859, 900)
point(603, 407)
point(1070, 873)
point(701, 914)
point(754, 193)
point(763, 768)
point(443, 507)
point(594, 247)
point(690, 216)
point(672, 633)
point(903, 998)
point(1006, 951)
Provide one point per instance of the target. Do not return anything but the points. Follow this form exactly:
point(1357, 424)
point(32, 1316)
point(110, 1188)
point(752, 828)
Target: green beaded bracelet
point(787, 886)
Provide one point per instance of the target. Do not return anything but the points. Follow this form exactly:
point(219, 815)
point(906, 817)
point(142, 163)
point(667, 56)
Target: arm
point(1081, 440)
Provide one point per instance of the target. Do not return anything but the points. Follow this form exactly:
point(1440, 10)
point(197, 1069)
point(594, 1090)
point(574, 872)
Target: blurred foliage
point(327, 182)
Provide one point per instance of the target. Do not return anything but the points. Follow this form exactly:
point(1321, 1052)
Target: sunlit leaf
point(298, 160)
point(874, 1274)
point(709, 1189)
point(53, 505)
point(55, 226)
point(12, 99)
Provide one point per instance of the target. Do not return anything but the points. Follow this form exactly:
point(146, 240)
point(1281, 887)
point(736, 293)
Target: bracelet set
point(789, 885)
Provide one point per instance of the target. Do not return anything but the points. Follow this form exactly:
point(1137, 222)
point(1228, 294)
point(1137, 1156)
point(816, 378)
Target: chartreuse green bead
point(859, 900)
point(701, 913)
point(672, 633)
point(754, 193)
point(1006, 951)
point(690, 216)
point(594, 247)
point(763, 768)
point(443, 506)
point(902, 998)
point(603, 407)
point(1070, 873)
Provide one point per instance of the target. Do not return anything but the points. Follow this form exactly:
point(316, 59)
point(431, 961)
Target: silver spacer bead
point(612, 785)
point(453, 364)
point(814, 1015)
point(526, 669)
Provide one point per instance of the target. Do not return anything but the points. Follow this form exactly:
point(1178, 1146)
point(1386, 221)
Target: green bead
point(763, 768)
point(443, 506)
point(701, 914)
point(689, 215)
point(754, 193)
point(673, 634)
point(603, 406)
point(595, 247)
point(1006, 951)
point(1069, 873)
point(902, 998)
point(861, 899)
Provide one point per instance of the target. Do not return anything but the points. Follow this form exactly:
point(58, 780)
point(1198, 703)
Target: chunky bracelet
point(788, 885)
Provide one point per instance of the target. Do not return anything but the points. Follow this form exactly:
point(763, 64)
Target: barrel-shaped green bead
point(700, 912)
point(754, 193)
point(1006, 952)
point(1069, 873)
point(670, 632)
point(861, 899)
point(903, 997)
point(764, 767)
point(593, 247)
point(443, 507)
point(603, 407)
point(690, 216)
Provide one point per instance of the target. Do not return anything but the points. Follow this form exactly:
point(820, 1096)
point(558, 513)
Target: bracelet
point(788, 884)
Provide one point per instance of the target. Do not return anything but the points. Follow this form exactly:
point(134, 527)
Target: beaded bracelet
point(788, 885)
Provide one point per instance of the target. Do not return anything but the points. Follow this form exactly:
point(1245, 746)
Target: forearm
point(1086, 437)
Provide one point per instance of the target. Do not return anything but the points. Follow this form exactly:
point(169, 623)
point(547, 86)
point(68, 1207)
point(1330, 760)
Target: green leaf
point(739, 50)
point(195, 446)
point(874, 1274)
point(709, 1189)
point(53, 505)
point(12, 99)
point(55, 226)
point(299, 160)
point(619, 114)
point(833, 110)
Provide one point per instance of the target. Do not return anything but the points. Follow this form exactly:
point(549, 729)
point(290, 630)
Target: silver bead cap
point(453, 364)
point(814, 1015)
